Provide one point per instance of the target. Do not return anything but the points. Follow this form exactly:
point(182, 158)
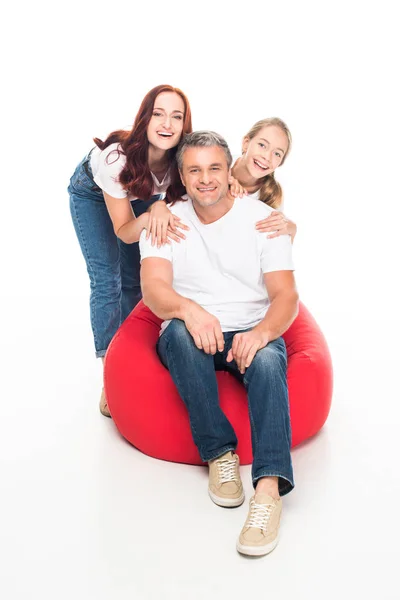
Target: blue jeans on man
point(193, 372)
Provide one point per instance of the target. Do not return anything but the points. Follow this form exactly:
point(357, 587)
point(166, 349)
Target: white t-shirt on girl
point(106, 166)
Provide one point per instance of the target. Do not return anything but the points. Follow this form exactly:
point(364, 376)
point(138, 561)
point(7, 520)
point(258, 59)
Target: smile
point(165, 134)
point(260, 165)
point(207, 189)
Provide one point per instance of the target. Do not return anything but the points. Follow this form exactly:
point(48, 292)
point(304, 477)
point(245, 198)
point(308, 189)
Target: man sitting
point(226, 294)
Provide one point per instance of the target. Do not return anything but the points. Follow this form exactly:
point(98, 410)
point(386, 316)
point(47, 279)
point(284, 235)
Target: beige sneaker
point(103, 405)
point(259, 535)
point(224, 485)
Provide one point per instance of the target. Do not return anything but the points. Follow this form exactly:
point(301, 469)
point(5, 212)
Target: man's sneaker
point(103, 405)
point(259, 535)
point(225, 486)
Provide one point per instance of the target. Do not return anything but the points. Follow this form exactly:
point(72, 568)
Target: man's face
point(205, 175)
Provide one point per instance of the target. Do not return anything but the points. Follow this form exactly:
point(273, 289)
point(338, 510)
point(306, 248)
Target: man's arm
point(158, 294)
point(280, 315)
point(284, 304)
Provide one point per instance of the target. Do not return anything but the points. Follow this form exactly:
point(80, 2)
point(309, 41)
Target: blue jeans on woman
point(193, 372)
point(112, 265)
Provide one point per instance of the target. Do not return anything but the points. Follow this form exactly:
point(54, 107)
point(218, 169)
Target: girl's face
point(265, 151)
point(165, 127)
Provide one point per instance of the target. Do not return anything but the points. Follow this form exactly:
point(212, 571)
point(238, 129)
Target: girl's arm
point(278, 224)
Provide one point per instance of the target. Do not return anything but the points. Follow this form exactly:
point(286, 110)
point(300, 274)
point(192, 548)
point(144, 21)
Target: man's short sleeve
point(149, 251)
point(276, 254)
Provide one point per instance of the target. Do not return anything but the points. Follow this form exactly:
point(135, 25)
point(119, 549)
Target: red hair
point(136, 177)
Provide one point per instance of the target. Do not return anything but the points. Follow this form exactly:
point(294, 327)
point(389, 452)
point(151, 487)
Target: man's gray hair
point(202, 139)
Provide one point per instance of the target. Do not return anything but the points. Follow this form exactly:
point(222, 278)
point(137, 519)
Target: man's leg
point(266, 384)
point(193, 372)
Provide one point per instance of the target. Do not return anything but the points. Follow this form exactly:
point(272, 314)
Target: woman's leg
point(101, 252)
point(131, 292)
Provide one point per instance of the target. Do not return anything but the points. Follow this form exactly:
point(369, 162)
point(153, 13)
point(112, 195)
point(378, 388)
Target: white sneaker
point(224, 485)
point(259, 535)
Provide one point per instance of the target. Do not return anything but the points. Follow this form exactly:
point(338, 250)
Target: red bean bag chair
point(150, 414)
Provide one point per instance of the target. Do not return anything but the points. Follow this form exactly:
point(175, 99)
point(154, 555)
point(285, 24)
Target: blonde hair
point(271, 192)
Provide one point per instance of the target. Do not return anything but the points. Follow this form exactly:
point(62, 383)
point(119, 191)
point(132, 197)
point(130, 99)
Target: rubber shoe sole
point(256, 550)
point(226, 502)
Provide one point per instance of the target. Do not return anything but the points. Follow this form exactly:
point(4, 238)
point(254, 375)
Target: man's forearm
point(163, 301)
point(280, 315)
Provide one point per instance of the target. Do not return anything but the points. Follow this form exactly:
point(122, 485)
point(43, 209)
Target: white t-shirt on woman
point(106, 166)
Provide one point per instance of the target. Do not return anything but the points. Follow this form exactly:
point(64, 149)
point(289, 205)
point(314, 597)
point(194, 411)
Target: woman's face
point(265, 151)
point(165, 127)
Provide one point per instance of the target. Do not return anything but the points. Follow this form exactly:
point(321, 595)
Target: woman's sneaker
point(103, 405)
point(259, 535)
point(224, 485)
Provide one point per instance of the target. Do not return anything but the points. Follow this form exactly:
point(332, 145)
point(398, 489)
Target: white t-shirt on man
point(106, 166)
point(220, 266)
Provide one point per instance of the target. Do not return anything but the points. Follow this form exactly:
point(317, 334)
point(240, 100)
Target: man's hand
point(205, 329)
point(245, 346)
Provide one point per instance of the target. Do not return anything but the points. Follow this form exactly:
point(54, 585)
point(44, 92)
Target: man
point(226, 294)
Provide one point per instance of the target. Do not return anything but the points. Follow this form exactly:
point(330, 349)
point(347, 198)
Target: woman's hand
point(278, 224)
point(235, 188)
point(162, 225)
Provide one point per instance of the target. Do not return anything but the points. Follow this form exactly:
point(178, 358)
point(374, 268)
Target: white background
point(85, 515)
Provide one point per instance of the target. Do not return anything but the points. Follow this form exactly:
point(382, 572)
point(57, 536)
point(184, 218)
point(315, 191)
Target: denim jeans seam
point(89, 265)
point(253, 427)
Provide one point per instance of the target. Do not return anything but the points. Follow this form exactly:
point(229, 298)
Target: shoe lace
point(227, 471)
point(259, 515)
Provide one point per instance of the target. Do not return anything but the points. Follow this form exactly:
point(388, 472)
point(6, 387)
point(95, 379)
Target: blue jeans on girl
point(112, 265)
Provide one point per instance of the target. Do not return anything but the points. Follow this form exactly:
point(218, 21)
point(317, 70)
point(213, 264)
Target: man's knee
point(272, 358)
point(178, 335)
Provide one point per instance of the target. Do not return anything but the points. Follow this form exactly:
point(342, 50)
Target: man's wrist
point(264, 330)
point(184, 308)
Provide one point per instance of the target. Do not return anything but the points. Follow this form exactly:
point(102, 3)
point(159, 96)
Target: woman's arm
point(160, 223)
point(126, 226)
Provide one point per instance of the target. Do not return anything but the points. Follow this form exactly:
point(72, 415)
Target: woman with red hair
point(116, 191)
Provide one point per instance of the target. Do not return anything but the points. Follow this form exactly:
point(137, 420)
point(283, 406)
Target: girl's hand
point(235, 188)
point(163, 224)
point(278, 224)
